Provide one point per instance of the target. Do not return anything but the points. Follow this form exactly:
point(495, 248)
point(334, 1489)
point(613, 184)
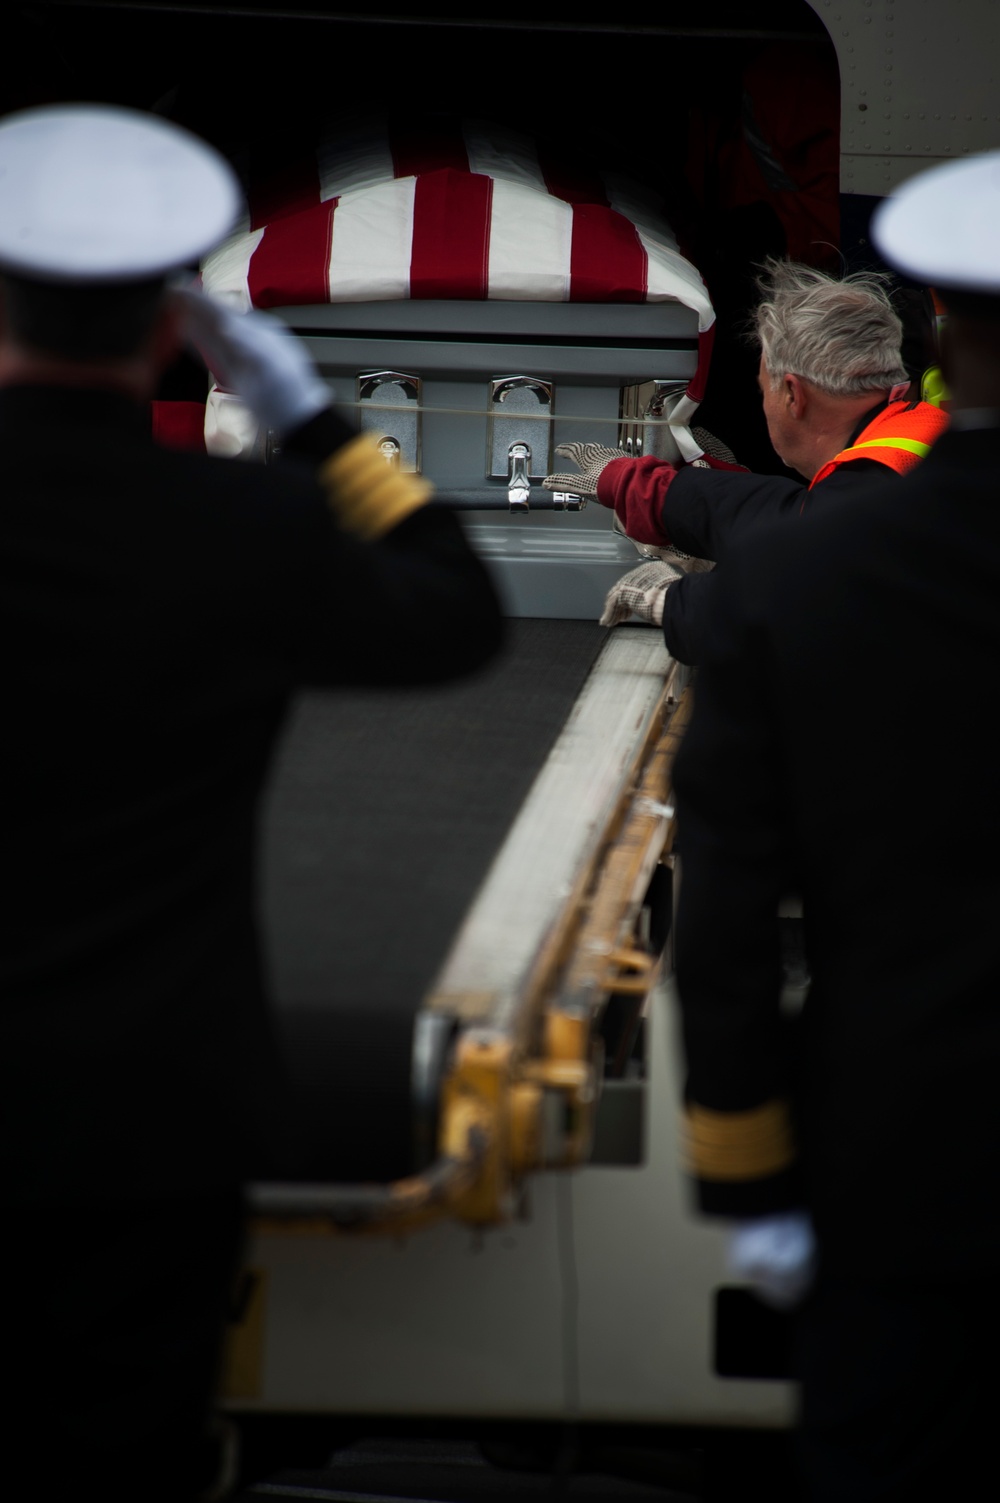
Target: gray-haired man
point(834, 391)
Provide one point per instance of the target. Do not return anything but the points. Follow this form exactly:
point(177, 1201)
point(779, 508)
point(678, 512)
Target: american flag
point(381, 211)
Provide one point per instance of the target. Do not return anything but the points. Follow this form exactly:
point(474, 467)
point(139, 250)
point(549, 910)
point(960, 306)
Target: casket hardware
point(518, 484)
point(398, 435)
point(642, 409)
point(567, 501)
point(520, 412)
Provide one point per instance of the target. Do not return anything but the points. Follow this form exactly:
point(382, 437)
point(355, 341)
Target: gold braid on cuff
point(367, 496)
point(739, 1145)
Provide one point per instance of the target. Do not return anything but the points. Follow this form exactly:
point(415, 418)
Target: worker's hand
point(687, 563)
point(255, 357)
point(641, 592)
point(776, 1255)
point(590, 460)
point(716, 455)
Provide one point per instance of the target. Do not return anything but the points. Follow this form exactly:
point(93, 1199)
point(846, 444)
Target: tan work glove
point(591, 460)
point(686, 562)
point(641, 592)
point(714, 449)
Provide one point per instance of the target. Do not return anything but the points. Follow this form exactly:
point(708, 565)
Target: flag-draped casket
point(470, 214)
point(475, 299)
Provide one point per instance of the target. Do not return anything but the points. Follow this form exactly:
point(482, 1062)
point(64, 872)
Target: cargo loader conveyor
point(507, 1048)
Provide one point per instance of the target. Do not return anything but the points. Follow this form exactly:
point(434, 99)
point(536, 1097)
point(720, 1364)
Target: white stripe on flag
point(231, 430)
point(356, 157)
point(672, 279)
point(225, 272)
point(680, 418)
point(531, 237)
point(504, 154)
point(372, 243)
point(670, 276)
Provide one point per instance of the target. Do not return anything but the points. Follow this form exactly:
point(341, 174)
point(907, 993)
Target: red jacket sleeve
point(636, 489)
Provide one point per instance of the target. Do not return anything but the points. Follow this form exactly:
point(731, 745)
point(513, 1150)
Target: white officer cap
point(943, 226)
point(94, 193)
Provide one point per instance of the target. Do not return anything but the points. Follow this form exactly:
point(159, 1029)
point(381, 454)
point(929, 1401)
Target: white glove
point(641, 592)
point(591, 460)
point(776, 1255)
point(257, 358)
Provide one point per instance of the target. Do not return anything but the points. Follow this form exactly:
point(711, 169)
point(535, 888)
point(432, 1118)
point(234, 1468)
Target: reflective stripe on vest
point(911, 445)
point(898, 451)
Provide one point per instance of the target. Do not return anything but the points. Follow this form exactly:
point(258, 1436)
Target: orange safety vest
point(900, 437)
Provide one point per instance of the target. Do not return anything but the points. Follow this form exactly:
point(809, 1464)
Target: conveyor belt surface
point(385, 811)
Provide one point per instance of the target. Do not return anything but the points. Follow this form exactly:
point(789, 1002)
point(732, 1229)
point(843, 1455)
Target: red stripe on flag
point(696, 386)
point(607, 262)
point(179, 425)
point(451, 235)
point(291, 264)
point(575, 182)
point(427, 150)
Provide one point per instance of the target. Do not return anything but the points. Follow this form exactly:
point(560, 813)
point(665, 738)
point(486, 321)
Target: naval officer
point(844, 729)
point(159, 609)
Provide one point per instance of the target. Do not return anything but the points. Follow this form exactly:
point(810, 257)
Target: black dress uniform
point(159, 609)
point(844, 733)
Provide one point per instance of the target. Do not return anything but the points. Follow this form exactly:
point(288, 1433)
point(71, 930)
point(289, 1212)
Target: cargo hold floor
point(385, 811)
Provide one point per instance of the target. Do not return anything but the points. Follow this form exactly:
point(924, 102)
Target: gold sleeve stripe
point(367, 496)
point(739, 1145)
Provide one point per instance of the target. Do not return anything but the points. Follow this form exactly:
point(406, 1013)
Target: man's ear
point(794, 396)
